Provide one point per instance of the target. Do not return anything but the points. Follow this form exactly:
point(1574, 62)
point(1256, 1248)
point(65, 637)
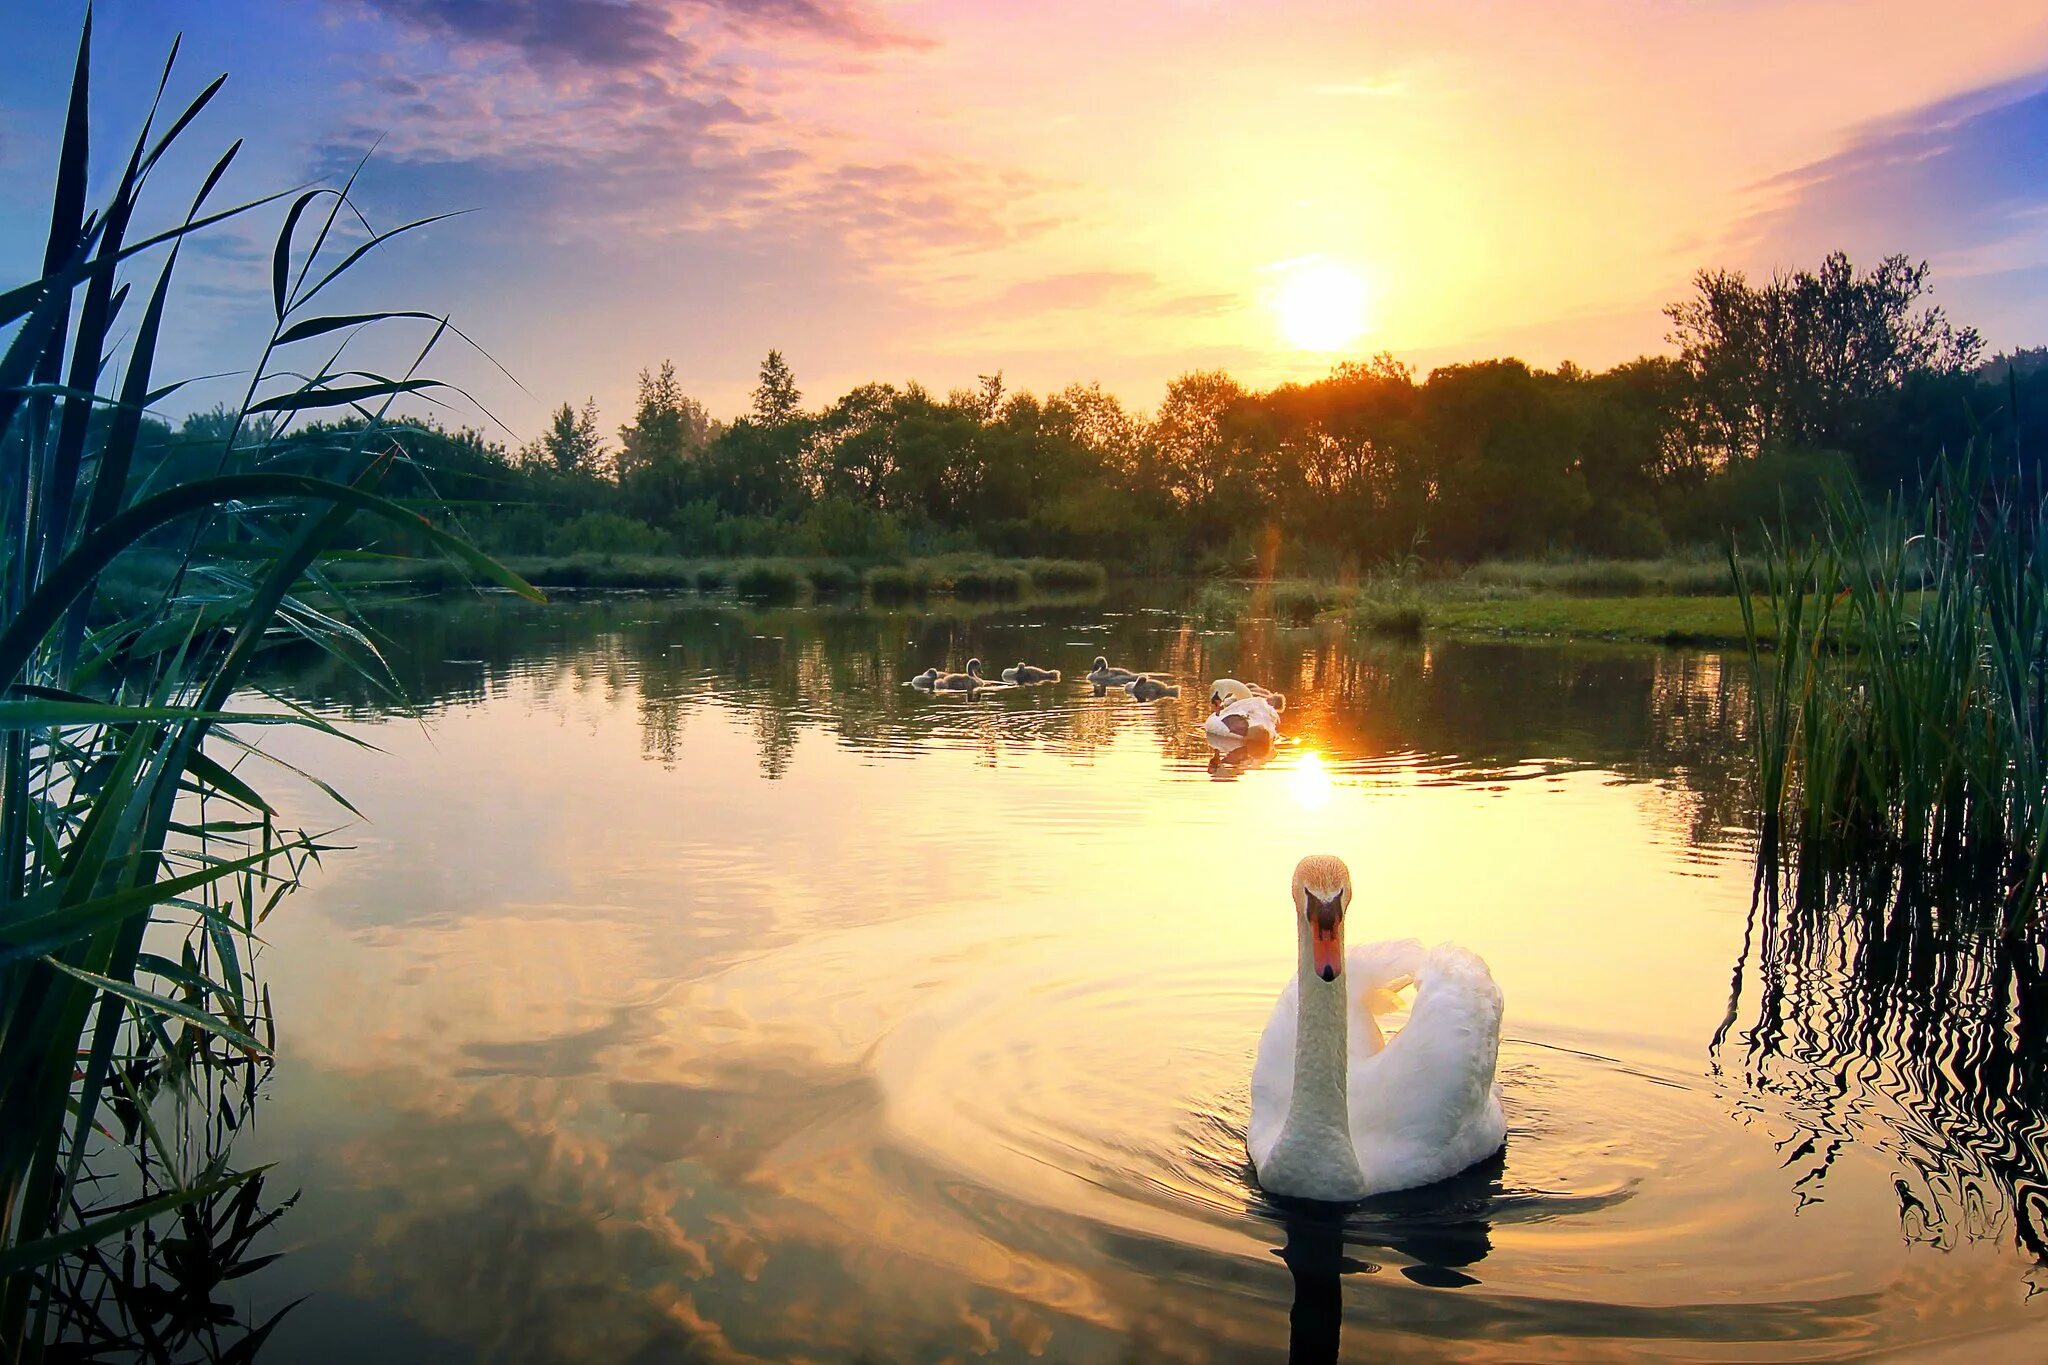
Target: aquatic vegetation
point(1400, 615)
point(831, 576)
point(1298, 603)
point(1065, 575)
point(1220, 603)
point(987, 580)
point(897, 582)
point(1902, 721)
point(768, 579)
point(138, 856)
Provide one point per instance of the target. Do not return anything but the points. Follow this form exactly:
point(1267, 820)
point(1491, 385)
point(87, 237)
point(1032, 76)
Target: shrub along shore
point(1677, 600)
point(768, 578)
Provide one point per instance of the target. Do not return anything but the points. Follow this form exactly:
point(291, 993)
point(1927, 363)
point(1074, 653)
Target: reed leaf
point(125, 807)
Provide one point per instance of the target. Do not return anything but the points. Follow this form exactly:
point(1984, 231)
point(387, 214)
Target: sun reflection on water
point(1310, 781)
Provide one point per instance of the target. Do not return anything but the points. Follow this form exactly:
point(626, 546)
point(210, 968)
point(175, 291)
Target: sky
point(935, 190)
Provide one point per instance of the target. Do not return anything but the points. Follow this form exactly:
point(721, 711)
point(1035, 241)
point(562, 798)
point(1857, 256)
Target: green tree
point(572, 444)
point(1506, 448)
point(1811, 359)
point(776, 400)
point(668, 425)
point(1189, 437)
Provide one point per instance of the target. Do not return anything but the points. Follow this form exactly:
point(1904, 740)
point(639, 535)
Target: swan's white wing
point(1247, 712)
point(1426, 1107)
point(1383, 966)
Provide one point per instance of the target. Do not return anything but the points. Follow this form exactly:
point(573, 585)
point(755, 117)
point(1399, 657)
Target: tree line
point(1779, 389)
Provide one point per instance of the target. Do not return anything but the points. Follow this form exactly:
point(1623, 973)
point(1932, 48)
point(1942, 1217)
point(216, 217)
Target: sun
point(1321, 306)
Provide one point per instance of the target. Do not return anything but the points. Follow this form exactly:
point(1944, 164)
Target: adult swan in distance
point(1338, 1112)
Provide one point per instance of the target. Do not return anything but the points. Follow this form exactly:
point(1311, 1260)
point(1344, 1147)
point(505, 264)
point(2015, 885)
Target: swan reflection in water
point(1441, 1230)
point(1229, 757)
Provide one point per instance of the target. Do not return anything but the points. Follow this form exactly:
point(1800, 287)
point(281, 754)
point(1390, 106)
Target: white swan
point(1238, 711)
point(1339, 1113)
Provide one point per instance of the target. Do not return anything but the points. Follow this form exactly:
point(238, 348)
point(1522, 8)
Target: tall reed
point(1900, 712)
point(138, 857)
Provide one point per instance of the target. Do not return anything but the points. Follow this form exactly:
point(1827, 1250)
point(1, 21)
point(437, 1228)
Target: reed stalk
point(138, 857)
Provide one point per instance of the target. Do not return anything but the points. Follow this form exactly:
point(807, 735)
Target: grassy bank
point(1664, 620)
point(1677, 600)
point(767, 578)
point(1663, 601)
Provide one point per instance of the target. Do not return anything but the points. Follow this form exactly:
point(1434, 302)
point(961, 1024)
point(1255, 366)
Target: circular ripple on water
point(1124, 1102)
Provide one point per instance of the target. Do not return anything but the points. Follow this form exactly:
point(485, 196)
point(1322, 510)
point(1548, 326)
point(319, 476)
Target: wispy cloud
point(650, 118)
point(607, 34)
point(1963, 181)
point(627, 35)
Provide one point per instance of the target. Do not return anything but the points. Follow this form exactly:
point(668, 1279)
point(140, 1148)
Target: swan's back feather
point(1249, 713)
point(1426, 1107)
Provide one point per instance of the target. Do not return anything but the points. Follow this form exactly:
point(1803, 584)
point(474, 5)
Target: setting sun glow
point(1320, 306)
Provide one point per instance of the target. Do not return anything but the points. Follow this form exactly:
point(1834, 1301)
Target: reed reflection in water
point(696, 986)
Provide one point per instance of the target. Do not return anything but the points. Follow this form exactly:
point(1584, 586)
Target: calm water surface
point(695, 990)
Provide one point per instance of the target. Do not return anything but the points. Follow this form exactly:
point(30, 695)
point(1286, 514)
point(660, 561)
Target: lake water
point(692, 989)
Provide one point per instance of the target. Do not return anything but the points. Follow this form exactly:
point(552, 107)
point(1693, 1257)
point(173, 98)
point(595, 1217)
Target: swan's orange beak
point(1326, 934)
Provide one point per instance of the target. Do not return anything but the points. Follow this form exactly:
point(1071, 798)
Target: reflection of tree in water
point(1879, 1005)
point(1467, 710)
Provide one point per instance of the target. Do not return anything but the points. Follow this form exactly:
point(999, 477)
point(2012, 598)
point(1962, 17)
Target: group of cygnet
point(1022, 675)
point(1141, 686)
point(1240, 713)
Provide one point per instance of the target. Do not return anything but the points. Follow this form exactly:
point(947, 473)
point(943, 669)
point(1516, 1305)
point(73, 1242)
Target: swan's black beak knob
point(1326, 933)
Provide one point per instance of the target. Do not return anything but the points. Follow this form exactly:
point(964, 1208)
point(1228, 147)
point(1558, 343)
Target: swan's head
point(1322, 893)
point(974, 668)
point(1224, 691)
point(1101, 664)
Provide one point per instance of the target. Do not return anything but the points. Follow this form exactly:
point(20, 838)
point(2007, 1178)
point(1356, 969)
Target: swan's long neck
point(1314, 1153)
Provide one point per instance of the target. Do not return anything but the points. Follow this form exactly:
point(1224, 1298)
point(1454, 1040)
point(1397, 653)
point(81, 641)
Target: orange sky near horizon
point(1531, 179)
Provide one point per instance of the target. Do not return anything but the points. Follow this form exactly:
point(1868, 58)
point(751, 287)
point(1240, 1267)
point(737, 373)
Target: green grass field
point(1651, 620)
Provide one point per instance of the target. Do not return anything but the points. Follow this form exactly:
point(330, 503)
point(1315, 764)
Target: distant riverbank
point(1678, 600)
